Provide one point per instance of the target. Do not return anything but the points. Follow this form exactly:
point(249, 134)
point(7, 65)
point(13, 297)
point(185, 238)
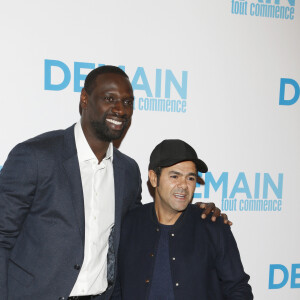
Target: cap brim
point(200, 165)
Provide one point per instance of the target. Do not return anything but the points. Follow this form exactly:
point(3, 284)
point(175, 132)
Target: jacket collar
point(179, 221)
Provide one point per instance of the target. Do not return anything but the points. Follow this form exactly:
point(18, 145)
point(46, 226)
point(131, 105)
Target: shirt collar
point(84, 151)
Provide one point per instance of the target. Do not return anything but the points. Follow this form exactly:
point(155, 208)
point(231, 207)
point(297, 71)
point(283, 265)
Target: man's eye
point(109, 99)
point(192, 178)
point(128, 102)
point(174, 176)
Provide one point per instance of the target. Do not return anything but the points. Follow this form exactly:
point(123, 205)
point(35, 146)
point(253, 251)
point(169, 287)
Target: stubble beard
point(104, 133)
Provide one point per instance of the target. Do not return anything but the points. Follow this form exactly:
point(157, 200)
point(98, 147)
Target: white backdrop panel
point(234, 64)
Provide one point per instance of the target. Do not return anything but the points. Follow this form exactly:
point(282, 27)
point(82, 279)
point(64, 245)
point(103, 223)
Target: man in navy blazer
point(43, 204)
point(166, 250)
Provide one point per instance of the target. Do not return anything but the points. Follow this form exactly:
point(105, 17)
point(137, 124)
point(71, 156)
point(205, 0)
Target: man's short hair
point(157, 171)
point(90, 80)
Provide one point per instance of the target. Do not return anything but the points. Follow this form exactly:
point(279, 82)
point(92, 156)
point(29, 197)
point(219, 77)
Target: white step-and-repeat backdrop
point(221, 75)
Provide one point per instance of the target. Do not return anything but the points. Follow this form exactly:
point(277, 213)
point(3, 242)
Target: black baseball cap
point(171, 152)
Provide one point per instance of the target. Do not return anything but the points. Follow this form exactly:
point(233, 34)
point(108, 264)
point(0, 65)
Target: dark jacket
point(204, 258)
point(42, 215)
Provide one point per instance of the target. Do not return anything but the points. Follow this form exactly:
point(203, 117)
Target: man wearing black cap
point(167, 251)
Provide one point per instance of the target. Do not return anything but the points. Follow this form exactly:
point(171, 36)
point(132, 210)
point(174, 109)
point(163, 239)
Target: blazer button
point(157, 229)
point(151, 254)
point(172, 234)
point(147, 281)
point(61, 298)
point(77, 267)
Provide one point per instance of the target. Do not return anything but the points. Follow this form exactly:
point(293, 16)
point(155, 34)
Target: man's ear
point(153, 178)
point(83, 99)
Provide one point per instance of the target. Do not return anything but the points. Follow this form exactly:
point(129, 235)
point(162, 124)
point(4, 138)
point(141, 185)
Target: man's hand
point(211, 208)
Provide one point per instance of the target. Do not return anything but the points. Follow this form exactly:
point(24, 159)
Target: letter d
point(67, 75)
point(283, 83)
point(272, 285)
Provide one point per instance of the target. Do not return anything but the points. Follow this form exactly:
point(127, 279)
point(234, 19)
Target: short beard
point(104, 134)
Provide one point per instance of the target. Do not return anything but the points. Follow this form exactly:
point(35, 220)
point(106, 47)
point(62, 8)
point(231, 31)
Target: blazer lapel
point(71, 166)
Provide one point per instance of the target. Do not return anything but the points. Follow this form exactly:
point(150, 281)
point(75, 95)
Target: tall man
point(63, 195)
point(166, 250)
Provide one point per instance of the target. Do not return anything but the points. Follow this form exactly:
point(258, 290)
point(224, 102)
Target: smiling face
point(174, 191)
point(107, 110)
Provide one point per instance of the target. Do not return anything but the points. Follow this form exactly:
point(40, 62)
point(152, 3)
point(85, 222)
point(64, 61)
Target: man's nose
point(118, 108)
point(182, 183)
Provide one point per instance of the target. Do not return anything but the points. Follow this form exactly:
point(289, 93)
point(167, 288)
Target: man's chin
point(107, 134)
point(181, 208)
point(112, 135)
point(116, 134)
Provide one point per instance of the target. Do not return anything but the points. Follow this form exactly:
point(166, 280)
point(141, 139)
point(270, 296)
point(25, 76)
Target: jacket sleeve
point(234, 281)
point(17, 189)
point(138, 198)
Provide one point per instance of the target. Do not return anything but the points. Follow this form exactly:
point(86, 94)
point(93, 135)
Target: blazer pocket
point(19, 274)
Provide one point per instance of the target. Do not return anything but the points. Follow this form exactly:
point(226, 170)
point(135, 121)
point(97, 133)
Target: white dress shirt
point(99, 211)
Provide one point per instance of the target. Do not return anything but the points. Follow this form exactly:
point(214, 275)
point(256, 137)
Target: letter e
point(294, 276)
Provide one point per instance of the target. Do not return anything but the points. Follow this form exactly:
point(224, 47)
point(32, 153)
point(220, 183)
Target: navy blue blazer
point(42, 215)
point(204, 258)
